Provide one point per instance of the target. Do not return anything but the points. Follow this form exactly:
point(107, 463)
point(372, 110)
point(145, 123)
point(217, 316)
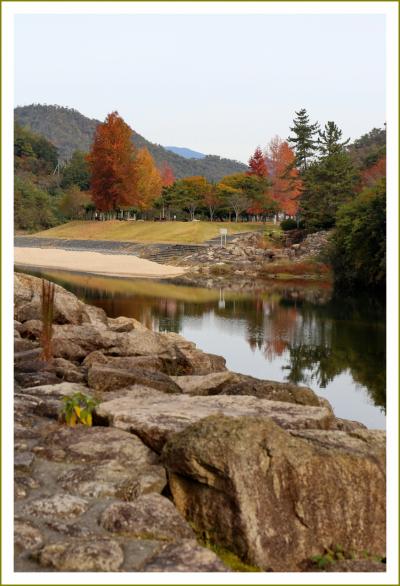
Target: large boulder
point(191, 360)
point(97, 358)
point(275, 498)
point(155, 416)
point(67, 307)
point(231, 383)
point(104, 378)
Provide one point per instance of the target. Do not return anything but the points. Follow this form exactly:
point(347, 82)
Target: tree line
point(315, 177)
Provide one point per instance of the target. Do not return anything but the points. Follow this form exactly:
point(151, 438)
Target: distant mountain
point(69, 130)
point(184, 152)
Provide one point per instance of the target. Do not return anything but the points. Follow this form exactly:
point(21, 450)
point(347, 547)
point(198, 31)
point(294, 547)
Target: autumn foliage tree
point(257, 164)
point(167, 175)
point(245, 192)
point(212, 199)
point(112, 165)
point(149, 183)
point(372, 174)
point(286, 183)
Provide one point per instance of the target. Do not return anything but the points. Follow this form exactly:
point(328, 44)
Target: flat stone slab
point(154, 416)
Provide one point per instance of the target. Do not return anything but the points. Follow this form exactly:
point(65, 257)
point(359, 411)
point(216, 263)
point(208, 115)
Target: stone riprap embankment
point(180, 448)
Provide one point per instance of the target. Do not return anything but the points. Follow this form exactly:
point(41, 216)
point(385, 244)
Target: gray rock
point(23, 461)
point(83, 555)
point(112, 479)
point(277, 499)
point(68, 371)
point(98, 445)
point(104, 378)
point(124, 324)
point(22, 345)
point(150, 516)
point(67, 307)
point(355, 566)
point(57, 391)
point(208, 384)
point(63, 506)
point(185, 556)
point(125, 362)
point(154, 416)
point(27, 537)
point(230, 383)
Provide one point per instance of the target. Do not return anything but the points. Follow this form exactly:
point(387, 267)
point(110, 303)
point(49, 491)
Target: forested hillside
point(69, 131)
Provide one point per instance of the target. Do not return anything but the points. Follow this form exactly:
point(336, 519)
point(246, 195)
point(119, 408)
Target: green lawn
point(179, 232)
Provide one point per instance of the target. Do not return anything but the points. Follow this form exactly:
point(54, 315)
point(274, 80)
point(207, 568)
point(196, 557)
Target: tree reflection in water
point(317, 334)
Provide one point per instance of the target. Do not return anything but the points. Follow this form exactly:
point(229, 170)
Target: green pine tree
point(76, 172)
point(329, 140)
point(328, 182)
point(304, 141)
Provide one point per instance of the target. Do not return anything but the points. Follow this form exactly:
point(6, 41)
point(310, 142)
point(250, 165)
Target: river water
point(298, 332)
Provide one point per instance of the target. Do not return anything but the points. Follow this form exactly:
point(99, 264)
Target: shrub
point(359, 243)
point(295, 268)
point(78, 408)
point(220, 270)
point(288, 224)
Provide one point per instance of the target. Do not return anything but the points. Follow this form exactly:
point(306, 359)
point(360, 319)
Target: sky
point(219, 84)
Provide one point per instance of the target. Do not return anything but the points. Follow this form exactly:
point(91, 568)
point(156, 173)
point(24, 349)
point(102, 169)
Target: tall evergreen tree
point(304, 142)
point(328, 182)
point(329, 140)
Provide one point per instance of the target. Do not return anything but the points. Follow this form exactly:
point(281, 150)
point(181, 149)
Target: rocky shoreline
point(185, 459)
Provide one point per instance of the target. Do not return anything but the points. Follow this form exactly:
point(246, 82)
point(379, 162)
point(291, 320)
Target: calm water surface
point(293, 332)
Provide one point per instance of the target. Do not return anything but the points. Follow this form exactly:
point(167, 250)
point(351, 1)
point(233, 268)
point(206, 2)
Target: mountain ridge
point(69, 130)
point(185, 152)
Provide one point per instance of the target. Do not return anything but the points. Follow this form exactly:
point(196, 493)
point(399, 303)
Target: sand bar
point(119, 265)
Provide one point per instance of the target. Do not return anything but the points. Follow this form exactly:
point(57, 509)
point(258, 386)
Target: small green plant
point(48, 290)
point(337, 553)
point(78, 408)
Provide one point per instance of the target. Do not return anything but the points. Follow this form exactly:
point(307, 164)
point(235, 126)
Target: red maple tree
point(167, 175)
point(372, 174)
point(257, 164)
point(112, 165)
point(286, 183)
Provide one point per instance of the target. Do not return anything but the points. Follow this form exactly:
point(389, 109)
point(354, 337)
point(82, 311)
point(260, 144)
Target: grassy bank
point(307, 269)
point(177, 232)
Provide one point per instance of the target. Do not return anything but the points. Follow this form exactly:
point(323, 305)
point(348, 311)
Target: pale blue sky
point(219, 84)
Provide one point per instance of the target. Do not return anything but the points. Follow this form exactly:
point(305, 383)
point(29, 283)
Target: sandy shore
point(120, 265)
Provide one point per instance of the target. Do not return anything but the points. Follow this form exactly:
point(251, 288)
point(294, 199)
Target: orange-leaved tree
point(286, 183)
point(112, 165)
point(148, 179)
point(372, 174)
point(167, 175)
point(257, 164)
